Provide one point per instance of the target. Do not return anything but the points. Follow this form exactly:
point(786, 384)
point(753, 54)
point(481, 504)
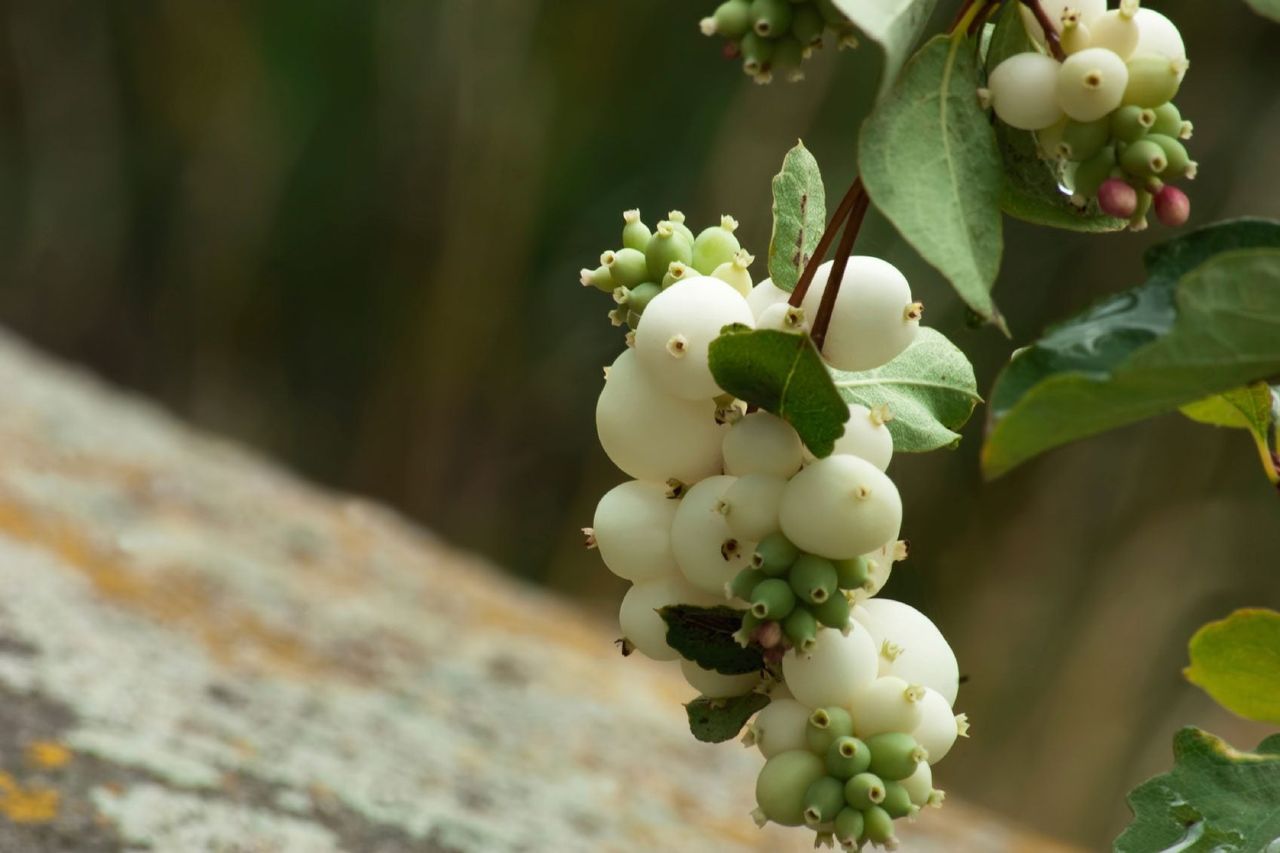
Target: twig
point(824, 243)
point(851, 227)
point(1050, 30)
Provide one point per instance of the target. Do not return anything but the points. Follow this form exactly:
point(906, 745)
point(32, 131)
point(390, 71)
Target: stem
point(823, 320)
point(1046, 24)
point(824, 243)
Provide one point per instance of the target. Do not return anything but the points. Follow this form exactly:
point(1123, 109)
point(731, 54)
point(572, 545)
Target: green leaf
point(1206, 321)
point(704, 635)
point(929, 162)
point(781, 373)
point(929, 388)
point(1255, 408)
point(799, 216)
point(894, 25)
point(1266, 8)
point(1214, 799)
point(1237, 661)
point(719, 720)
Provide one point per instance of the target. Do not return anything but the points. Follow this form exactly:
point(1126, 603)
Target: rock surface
point(198, 652)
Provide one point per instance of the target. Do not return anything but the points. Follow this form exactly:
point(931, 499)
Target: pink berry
point(1173, 208)
point(1117, 198)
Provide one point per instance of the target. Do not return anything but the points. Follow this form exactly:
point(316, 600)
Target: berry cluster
point(728, 507)
point(1105, 110)
point(776, 35)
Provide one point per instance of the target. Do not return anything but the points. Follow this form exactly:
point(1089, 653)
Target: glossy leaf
point(704, 635)
point(1237, 661)
point(894, 26)
point(719, 720)
point(929, 388)
point(799, 216)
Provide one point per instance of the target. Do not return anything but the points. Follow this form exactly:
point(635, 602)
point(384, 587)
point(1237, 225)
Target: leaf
point(1266, 8)
point(929, 388)
point(1214, 799)
point(929, 162)
point(704, 635)
point(719, 720)
point(781, 373)
point(799, 216)
point(1206, 321)
point(1255, 408)
point(1237, 661)
point(894, 25)
point(1031, 184)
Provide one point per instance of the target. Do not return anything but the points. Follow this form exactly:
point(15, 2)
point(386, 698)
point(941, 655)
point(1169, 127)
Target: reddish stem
point(824, 243)
point(1050, 29)
point(851, 227)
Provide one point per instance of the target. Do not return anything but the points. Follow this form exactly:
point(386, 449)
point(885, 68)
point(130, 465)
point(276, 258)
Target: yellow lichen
point(27, 805)
point(48, 754)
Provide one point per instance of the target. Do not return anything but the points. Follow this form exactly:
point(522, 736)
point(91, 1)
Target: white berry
point(1091, 83)
point(866, 436)
point(638, 616)
point(763, 295)
point(708, 554)
point(750, 506)
point(677, 328)
point(888, 704)
point(873, 319)
point(780, 727)
point(714, 685)
point(840, 507)
point(1023, 91)
point(632, 529)
point(762, 443)
point(938, 726)
point(1159, 36)
point(1117, 31)
point(1088, 10)
point(834, 670)
point(910, 646)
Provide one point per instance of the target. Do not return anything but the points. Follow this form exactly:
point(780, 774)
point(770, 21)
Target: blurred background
point(349, 234)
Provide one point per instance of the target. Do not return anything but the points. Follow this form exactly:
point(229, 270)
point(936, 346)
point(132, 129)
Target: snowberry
point(666, 245)
point(626, 267)
point(599, 278)
point(632, 529)
point(888, 704)
point(895, 755)
point(1173, 208)
point(1117, 197)
point(635, 234)
point(835, 668)
point(1087, 11)
point(826, 726)
point(772, 599)
point(1083, 139)
point(1091, 83)
point(640, 622)
point(813, 579)
point(651, 435)
point(750, 506)
point(782, 317)
point(1144, 158)
point(734, 272)
point(782, 784)
point(762, 443)
point(1118, 30)
point(834, 612)
point(866, 436)
point(763, 295)
point(1022, 90)
point(676, 220)
point(897, 801)
point(774, 555)
point(910, 646)
point(706, 551)
point(678, 326)
point(919, 785)
point(823, 801)
point(1153, 80)
point(1158, 35)
point(847, 757)
point(714, 685)
point(873, 319)
point(879, 565)
point(771, 18)
point(715, 246)
point(864, 790)
point(938, 727)
point(1131, 122)
point(801, 627)
point(781, 727)
point(840, 507)
point(850, 827)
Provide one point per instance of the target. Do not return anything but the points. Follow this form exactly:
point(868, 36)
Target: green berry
point(788, 53)
point(807, 24)
point(666, 245)
point(1092, 172)
point(734, 273)
point(847, 757)
point(676, 218)
point(772, 599)
point(1168, 121)
point(635, 234)
point(640, 295)
point(813, 579)
point(849, 827)
point(1132, 122)
point(834, 612)
point(879, 827)
point(745, 581)
point(676, 271)
point(826, 726)
point(801, 628)
point(757, 53)
point(774, 554)
point(783, 783)
point(1179, 162)
point(1153, 80)
point(823, 801)
point(750, 622)
point(897, 801)
point(1144, 159)
point(864, 790)
point(599, 278)
point(895, 755)
point(627, 267)
point(771, 18)
point(731, 19)
point(1083, 139)
point(715, 246)
point(852, 573)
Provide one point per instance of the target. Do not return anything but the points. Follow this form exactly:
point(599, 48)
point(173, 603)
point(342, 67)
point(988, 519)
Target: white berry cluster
point(727, 507)
point(1106, 111)
point(776, 35)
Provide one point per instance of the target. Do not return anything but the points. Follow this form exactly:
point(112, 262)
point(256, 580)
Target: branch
point(1050, 29)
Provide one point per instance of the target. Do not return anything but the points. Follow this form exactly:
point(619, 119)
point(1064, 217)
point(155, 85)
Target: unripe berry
point(897, 802)
point(888, 704)
point(823, 801)
point(772, 599)
point(866, 436)
point(714, 685)
point(847, 757)
point(910, 646)
point(1173, 208)
point(782, 784)
point(1021, 89)
point(632, 529)
point(677, 328)
point(635, 234)
point(744, 582)
point(639, 297)
point(771, 18)
point(834, 612)
point(1166, 120)
point(666, 245)
point(852, 573)
point(879, 567)
point(651, 435)
point(874, 318)
point(1144, 158)
point(639, 619)
point(757, 52)
point(731, 19)
point(1086, 10)
point(894, 755)
point(750, 506)
point(1117, 30)
point(1075, 35)
point(864, 790)
point(1049, 139)
point(783, 318)
point(919, 785)
point(1179, 162)
point(849, 827)
point(807, 24)
point(1159, 36)
point(789, 53)
point(1084, 139)
point(676, 218)
point(801, 628)
point(1090, 174)
point(677, 271)
point(598, 278)
point(781, 727)
point(813, 579)
point(1153, 80)
point(826, 726)
point(735, 273)
point(715, 245)
point(626, 267)
point(774, 555)
point(840, 507)
point(1131, 122)
point(1091, 83)
point(938, 727)
point(834, 670)
point(763, 295)
point(1117, 198)
point(762, 443)
point(831, 13)
point(706, 550)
